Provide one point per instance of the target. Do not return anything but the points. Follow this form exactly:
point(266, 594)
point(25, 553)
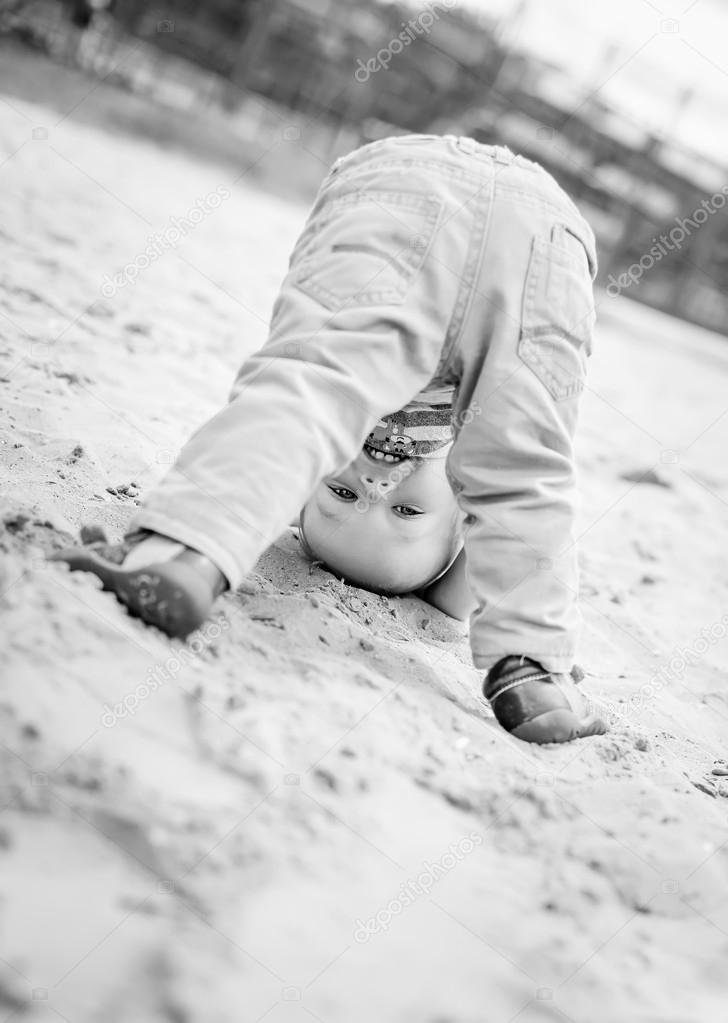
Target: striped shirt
point(419, 430)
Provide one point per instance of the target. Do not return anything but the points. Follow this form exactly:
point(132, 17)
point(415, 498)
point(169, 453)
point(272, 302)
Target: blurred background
point(622, 101)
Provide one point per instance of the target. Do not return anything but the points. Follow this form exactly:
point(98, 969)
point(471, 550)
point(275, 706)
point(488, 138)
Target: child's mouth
point(382, 456)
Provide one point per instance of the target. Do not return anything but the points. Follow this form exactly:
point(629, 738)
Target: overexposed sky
point(641, 54)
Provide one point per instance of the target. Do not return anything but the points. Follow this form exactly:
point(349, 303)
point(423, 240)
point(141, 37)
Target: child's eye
point(407, 511)
point(343, 493)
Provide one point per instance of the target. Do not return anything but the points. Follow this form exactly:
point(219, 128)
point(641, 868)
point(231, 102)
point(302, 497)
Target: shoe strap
point(544, 676)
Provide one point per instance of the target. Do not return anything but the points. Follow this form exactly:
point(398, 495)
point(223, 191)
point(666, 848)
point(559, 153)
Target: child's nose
point(379, 483)
point(378, 477)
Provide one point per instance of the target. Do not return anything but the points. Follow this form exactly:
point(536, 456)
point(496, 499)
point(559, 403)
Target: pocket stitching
point(429, 206)
point(529, 350)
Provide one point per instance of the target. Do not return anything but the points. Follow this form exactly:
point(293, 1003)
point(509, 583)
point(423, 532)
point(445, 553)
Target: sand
point(309, 812)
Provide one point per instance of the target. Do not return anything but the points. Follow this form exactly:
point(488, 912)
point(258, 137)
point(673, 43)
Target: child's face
point(383, 525)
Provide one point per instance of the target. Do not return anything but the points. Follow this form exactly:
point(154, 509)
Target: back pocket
point(367, 249)
point(558, 314)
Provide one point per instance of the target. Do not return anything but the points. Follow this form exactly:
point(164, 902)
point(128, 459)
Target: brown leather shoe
point(176, 595)
point(537, 705)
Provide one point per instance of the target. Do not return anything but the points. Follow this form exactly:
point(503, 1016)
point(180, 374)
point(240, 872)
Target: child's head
point(387, 526)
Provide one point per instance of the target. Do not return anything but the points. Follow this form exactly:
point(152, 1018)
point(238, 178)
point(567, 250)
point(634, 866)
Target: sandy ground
point(314, 816)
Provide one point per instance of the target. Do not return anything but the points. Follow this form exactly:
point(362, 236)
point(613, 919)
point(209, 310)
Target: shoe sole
point(559, 726)
point(164, 595)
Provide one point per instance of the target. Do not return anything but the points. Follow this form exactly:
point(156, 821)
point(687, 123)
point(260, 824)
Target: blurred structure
point(361, 69)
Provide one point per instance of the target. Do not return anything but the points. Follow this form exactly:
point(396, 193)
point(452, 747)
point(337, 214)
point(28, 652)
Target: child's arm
point(451, 593)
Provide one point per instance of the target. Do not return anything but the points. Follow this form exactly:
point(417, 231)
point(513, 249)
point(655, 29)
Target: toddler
point(418, 392)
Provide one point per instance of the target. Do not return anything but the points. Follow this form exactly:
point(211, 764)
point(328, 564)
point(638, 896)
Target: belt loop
point(466, 144)
point(503, 155)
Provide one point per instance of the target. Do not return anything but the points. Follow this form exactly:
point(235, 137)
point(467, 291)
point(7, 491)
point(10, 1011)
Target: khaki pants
point(425, 260)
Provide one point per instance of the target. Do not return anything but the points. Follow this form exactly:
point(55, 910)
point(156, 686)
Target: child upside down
point(450, 282)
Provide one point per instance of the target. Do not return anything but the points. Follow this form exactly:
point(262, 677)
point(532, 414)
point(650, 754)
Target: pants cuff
point(190, 537)
point(560, 664)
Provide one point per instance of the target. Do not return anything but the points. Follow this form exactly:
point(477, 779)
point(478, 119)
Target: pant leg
point(521, 360)
point(356, 331)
